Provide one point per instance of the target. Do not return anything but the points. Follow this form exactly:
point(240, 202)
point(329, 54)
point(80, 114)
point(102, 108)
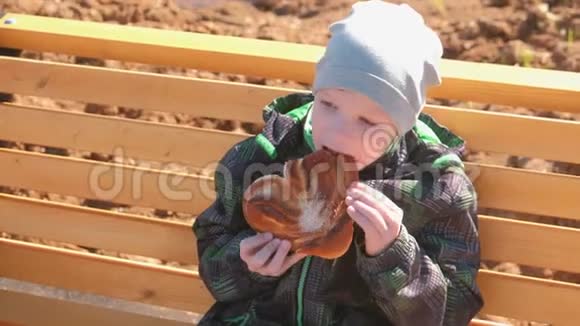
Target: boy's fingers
point(372, 197)
point(250, 245)
point(374, 217)
point(273, 268)
point(370, 192)
point(390, 211)
point(264, 254)
point(259, 240)
point(365, 193)
point(362, 221)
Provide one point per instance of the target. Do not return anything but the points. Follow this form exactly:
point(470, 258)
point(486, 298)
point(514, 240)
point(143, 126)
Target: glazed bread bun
point(306, 205)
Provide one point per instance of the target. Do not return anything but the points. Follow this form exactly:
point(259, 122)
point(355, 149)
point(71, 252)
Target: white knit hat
point(386, 52)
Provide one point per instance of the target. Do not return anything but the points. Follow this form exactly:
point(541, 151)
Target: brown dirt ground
point(512, 32)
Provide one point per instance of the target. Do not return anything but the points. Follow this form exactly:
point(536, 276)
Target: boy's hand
point(266, 255)
point(376, 214)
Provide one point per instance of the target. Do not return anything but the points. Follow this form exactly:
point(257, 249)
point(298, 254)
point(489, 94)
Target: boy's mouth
point(357, 163)
point(334, 151)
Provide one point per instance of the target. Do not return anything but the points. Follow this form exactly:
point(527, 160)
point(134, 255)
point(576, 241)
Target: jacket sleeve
point(220, 229)
point(430, 279)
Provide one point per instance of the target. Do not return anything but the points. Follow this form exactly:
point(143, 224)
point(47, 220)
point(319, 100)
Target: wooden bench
point(157, 186)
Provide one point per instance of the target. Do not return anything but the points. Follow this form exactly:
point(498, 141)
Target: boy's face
point(351, 123)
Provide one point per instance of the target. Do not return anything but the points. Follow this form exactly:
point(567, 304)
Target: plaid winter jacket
point(426, 277)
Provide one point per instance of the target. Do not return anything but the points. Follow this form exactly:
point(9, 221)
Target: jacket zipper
point(300, 295)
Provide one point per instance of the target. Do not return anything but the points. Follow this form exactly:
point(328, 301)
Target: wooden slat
point(528, 298)
point(50, 309)
point(506, 295)
point(526, 191)
point(174, 241)
point(4, 323)
point(117, 278)
point(498, 187)
point(530, 244)
point(135, 139)
point(206, 98)
point(462, 80)
point(483, 131)
point(534, 137)
point(509, 85)
point(521, 242)
point(162, 47)
point(16, 306)
point(133, 186)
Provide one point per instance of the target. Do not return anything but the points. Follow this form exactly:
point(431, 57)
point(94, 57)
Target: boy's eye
point(327, 105)
point(366, 121)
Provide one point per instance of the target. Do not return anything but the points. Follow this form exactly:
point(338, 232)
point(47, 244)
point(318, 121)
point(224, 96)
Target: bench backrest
point(187, 186)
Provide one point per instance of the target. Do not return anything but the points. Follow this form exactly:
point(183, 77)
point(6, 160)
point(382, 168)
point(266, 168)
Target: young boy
point(415, 253)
